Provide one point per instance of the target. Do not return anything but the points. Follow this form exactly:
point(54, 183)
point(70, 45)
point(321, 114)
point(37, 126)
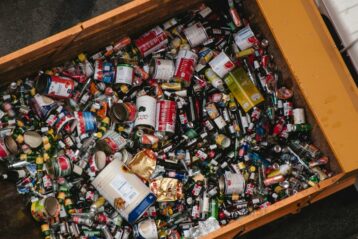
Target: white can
point(232, 183)
point(185, 65)
point(195, 34)
point(146, 229)
point(147, 110)
point(222, 64)
point(124, 74)
point(299, 116)
point(124, 191)
point(245, 38)
point(161, 69)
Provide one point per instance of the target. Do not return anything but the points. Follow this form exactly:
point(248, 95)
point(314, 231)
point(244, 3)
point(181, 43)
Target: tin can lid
point(100, 159)
point(33, 139)
point(52, 206)
point(11, 145)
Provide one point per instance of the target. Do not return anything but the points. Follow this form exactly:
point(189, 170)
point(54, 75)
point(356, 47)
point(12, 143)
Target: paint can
point(151, 41)
point(166, 117)
point(161, 69)
point(147, 108)
point(55, 86)
point(124, 74)
point(124, 191)
point(185, 66)
point(45, 208)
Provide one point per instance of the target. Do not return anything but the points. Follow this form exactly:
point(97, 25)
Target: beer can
point(55, 86)
point(147, 107)
point(124, 191)
point(45, 208)
point(123, 112)
point(124, 74)
point(60, 166)
point(146, 229)
point(195, 34)
point(232, 183)
point(104, 71)
point(151, 41)
point(86, 122)
point(162, 69)
point(221, 64)
point(166, 116)
point(185, 65)
point(245, 38)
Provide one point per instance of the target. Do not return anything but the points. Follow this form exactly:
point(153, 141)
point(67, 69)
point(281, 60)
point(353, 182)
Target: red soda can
point(166, 116)
point(151, 41)
point(185, 65)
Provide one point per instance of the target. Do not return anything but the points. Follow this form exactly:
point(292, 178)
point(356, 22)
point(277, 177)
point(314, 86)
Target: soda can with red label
point(151, 41)
point(55, 86)
point(166, 116)
point(185, 65)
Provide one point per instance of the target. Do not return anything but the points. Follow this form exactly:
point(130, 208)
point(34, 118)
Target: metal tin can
point(124, 74)
point(123, 112)
point(185, 65)
point(60, 166)
point(8, 146)
point(124, 191)
point(43, 105)
point(245, 38)
point(151, 41)
point(161, 69)
point(232, 183)
point(195, 34)
point(45, 208)
point(55, 86)
point(147, 107)
point(166, 116)
point(299, 116)
point(146, 229)
point(111, 142)
point(221, 64)
point(104, 71)
point(86, 122)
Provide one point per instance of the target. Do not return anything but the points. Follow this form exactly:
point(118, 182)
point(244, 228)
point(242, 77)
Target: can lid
point(221, 184)
point(11, 145)
point(33, 139)
point(100, 159)
point(52, 206)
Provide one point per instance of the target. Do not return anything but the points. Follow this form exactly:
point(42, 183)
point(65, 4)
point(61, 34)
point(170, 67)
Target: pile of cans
point(169, 135)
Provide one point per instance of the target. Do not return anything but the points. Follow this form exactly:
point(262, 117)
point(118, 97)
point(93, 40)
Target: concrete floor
point(23, 22)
